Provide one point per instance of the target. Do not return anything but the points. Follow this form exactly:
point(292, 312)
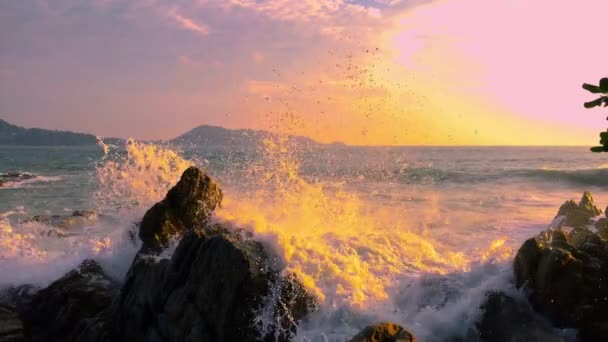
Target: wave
point(431, 175)
point(15, 180)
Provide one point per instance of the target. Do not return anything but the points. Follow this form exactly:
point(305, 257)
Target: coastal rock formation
point(218, 285)
point(578, 215)
point(384, 332)
point(77, 218)
point(565, 272)
point(187, 205)
point(509, 319)
point(58, 312)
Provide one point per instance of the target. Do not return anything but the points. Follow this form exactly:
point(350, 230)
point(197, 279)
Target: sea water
point(414, 235)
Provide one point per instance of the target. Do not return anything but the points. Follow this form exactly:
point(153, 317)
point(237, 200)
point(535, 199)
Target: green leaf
point(595, 103)
point(592, 88)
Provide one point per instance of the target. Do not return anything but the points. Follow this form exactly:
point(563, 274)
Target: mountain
point(15, 135)
point(219, 138)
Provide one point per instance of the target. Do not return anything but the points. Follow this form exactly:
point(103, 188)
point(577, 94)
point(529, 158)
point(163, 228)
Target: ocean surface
point(414, 235)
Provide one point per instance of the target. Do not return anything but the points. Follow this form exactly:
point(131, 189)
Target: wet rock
point(564, 274)
point(384, 332)
point(214, 287)
point(578, 215)
point(78, 218)
point(188, 205)
point(55, 313)
point(507, 319)
point(218, 285)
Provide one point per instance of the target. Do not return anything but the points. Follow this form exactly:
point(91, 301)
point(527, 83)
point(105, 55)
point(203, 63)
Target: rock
point(564, 275)
point(218, 285)
point(602, 227)
point(214, 287)
point(506, 319)
point(188, 204)
point(56, 312)
point(78, 218)
point(578, 215)
point(11, 327)
point(384, 332)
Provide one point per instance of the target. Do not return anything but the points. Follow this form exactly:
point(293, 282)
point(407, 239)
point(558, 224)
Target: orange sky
point(444, 72)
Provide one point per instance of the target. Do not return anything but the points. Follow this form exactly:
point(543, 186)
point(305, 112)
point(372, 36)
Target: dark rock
point(214, 287)
point(602, 228)
point(11, 326)
point(56, 312)
point(384, 332)
point(218, 285)
point(565, 276)
point(506, 319)
point(188, 205)
point(578, 215)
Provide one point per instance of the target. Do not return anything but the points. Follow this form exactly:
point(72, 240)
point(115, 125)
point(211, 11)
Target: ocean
point(414, 235)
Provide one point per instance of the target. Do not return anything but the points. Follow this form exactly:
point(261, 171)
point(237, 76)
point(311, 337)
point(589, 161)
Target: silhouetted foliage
point(602, 88)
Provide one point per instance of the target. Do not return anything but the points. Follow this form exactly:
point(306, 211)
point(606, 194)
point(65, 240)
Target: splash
point(137, 176)
point(347, 251)
point(128, 181)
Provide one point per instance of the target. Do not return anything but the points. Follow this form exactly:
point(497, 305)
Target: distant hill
point(219, 138)
point(14, 135)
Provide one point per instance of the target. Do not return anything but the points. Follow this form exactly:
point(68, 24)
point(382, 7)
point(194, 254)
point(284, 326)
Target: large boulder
point(188, 205)
point(508, 319)
point(384, 332)
point(578, 215)
point(56, 312)
point(217, 286)
point(564, 274)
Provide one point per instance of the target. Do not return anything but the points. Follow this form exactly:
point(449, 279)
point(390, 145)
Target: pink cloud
point(188, 24)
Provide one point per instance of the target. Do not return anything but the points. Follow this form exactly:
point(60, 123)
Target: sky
point(367, 72)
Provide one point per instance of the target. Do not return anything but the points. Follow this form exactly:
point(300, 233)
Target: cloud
point(188, 24)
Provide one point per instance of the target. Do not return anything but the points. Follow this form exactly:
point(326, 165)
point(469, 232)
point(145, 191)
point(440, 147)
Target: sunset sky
point(444, 72)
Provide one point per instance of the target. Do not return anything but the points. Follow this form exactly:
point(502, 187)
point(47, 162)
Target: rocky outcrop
point(218, 285)
point(564, 273)
point(76, 219)
point(509, 319)
point(384, 332)
point(60, 311)
point(578, 215)
point(214, 287)
point(188, 205)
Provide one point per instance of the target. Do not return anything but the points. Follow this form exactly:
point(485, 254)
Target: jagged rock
point(188, 205)
point(578, 215)
point(213, 288)
point(57, 312)
point(218, 285)
point(506, 319)
point(565, 276)
point(384, 332)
